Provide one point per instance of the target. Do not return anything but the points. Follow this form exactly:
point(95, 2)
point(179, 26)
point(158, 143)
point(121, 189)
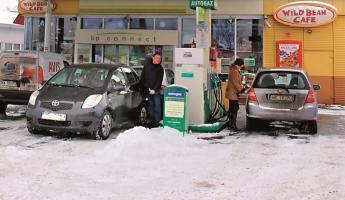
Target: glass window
point(28, 33)
point(16, 46)
point(118, 77)
point(116, 54)
point(131, 76)
point(249, 41)
point(98, 53)
point(123, 54)
point(288, 80)
point(223, 34)
point(188, 32)
point(141, 23)
point(8, 46)
point(109, 54)
point(139, 53)
point(38, 33)
point(65, 30)
point(92, 77)
point(91, 23)
point(115, 23)
point(34, 33)
point(166, 24)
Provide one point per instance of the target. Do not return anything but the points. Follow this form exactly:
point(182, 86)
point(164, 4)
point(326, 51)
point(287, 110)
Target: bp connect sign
point(306, 14)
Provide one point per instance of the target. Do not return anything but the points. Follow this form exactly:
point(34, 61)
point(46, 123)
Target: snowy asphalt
point(160, 163)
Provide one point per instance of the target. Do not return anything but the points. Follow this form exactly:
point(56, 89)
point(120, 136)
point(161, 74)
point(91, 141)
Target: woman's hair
point(156, 53)
point(239, 62)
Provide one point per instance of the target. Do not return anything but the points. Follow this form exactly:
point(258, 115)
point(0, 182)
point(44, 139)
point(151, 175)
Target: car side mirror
point(316, 87)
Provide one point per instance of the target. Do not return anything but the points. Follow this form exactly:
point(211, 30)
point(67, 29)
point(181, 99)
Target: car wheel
point(143, 116)
point(250, 124)
point(256, 124)
point(34, 131)
point(3, 107)
point(104, 129)
point(312, 127)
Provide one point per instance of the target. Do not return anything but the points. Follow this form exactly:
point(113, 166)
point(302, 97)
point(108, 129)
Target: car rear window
point(281, 79)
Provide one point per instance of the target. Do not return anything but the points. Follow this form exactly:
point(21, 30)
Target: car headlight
point(33, 97)
point(92, 101)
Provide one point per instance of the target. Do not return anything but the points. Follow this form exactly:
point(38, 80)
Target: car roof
point(97, 65)
point(281, 69)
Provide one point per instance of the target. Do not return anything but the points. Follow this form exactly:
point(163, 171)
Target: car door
point(118, 97)
point(136, 97)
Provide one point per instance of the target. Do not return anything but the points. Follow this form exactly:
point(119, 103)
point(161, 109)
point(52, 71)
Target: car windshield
point(281, 79)
point(91, 77)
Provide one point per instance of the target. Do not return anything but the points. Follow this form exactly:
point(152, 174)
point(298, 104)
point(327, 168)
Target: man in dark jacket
point(151, 78)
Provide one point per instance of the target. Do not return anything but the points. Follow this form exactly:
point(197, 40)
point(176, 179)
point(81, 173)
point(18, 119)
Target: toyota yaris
point(87, 98)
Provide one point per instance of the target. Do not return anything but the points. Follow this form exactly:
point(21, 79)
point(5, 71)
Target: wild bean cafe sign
point(306, 14)
point(35, 6)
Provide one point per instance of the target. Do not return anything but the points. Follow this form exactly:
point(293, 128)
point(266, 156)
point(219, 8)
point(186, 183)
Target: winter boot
point(233, 124)
point(229, 123)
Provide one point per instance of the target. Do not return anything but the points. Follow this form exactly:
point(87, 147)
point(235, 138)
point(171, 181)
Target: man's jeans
point(155, 108)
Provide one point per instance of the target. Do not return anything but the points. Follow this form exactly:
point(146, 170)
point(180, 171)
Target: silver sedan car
point(282, 94)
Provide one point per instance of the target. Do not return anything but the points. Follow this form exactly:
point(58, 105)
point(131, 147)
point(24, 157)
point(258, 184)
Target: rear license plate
point(282, 98)
point(54, 116)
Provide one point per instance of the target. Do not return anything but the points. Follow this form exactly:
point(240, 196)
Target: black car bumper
point(77, 120)
point(18, 97)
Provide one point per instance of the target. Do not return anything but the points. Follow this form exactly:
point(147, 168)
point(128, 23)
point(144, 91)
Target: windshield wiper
point(71, 85)
point(81, 86)
point(55, 84)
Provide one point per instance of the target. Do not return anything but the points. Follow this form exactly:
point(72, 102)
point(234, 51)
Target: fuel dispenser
point(189, 72)
point(195, 69)
point(204, 105)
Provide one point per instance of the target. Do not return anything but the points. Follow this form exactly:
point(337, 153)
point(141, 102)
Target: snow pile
point(143, 144)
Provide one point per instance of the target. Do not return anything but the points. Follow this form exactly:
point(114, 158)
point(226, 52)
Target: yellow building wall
point(67, 7)
point(323, 50)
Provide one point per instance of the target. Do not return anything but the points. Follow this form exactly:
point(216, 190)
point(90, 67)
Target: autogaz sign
point(306, 14)
point(207, 4)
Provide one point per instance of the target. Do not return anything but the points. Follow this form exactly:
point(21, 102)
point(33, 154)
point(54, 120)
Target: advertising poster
point(289, 54)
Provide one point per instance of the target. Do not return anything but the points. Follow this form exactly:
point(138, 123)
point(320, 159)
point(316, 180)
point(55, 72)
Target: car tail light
point(251, 95)
point(310, 97)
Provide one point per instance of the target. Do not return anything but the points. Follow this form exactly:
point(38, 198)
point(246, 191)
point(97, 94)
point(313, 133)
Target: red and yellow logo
point(35, 6)
point(306, 14)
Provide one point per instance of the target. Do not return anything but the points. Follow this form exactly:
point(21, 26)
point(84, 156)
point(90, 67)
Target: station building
point(126, 32)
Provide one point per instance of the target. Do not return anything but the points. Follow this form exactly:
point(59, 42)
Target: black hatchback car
point(87, 98)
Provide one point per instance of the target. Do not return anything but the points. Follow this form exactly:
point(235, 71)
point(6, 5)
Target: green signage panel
point(208, 4)
point(250, 62)
point(187, 74)
point(175, 107)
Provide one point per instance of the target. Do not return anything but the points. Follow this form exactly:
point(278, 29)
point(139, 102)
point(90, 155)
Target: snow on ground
point(161, 163)
point(332, 110)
